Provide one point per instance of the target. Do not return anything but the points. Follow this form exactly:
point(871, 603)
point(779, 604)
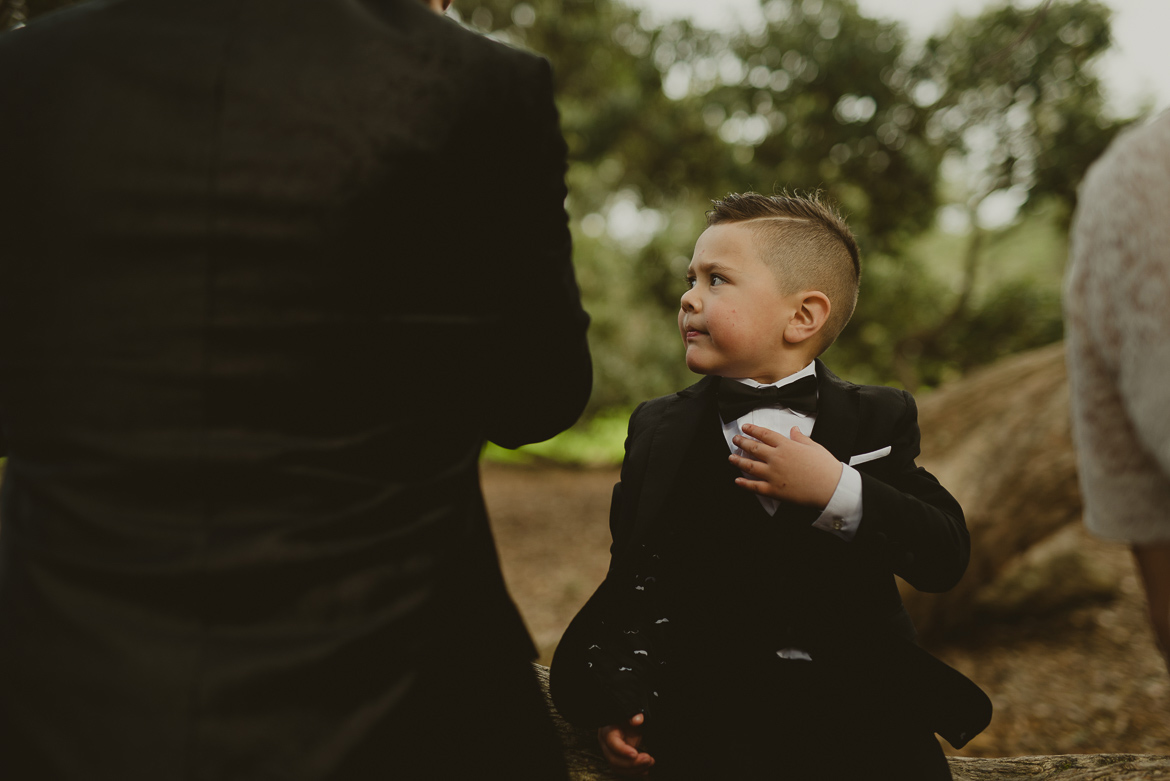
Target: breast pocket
point(872, 455)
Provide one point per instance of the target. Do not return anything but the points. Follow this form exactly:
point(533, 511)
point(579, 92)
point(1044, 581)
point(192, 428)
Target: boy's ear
point(809, 318)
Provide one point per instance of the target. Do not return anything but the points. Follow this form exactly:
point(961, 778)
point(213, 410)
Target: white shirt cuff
point(842, 515)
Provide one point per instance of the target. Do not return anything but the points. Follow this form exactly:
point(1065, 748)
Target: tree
point(1014, 98)
point(834, 91)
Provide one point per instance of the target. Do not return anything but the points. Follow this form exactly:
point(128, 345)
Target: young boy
point(750, 625)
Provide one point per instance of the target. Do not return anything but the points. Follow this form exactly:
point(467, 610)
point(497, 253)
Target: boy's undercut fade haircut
point(807, 244)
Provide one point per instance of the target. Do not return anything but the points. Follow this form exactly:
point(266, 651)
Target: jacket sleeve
point(909, 518)
point(601, 672)
point(541, 353)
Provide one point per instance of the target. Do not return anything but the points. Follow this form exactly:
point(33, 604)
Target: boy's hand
point(795, 469)
point(619, 744)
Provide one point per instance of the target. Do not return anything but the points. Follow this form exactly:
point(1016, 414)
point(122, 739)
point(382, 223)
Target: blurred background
point(954, 134)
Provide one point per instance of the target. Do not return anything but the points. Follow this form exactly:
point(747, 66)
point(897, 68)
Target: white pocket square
point(872, 455)
point(794, 653)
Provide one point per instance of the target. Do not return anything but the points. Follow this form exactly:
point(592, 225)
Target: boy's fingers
point(765, 435)
point(761, 487)
point(622, 749)
point(799, 436)
point(615, 740)
point(628, 764)
point(746, 464)
point(746, 444)
point(752, 447)
point(617, 760)
point(619, 746)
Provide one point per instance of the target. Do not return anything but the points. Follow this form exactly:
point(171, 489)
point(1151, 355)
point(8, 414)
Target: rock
point(1057, 573)
point(1000, 440)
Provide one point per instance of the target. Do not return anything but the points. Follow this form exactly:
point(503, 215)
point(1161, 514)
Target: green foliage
point(905, 330)
point(1014, 100)
point(1024, 112)
point(836, 91)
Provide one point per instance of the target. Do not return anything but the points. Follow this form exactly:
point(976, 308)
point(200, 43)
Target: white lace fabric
point(1117, 315)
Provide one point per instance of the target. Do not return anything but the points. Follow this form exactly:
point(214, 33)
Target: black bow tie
point(736, 399)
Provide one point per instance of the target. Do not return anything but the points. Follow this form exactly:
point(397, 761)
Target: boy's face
point(733, 316)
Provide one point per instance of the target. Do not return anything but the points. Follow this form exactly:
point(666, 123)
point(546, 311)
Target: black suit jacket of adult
point(271, 273)
point(912, 527)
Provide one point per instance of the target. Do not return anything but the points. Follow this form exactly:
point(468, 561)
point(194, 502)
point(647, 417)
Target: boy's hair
point(808, 245)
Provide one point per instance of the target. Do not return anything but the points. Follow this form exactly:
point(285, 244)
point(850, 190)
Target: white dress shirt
point(842, 515)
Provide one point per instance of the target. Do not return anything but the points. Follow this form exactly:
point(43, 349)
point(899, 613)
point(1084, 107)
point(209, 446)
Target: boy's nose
point(689, 300)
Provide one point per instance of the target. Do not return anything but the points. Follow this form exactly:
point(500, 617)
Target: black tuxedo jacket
point(271, 273)
point(845, 591)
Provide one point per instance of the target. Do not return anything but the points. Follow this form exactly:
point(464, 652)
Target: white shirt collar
point(810, 370)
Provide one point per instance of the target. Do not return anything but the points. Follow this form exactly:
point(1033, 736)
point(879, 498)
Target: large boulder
point(1000, 440)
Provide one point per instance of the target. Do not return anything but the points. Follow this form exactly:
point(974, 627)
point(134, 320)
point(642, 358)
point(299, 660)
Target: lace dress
point(1117, 312)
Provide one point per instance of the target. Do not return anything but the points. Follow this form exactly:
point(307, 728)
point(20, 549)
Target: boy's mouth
point(691, 332)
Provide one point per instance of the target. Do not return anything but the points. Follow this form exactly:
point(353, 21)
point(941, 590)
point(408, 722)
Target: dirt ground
point(1085, 680)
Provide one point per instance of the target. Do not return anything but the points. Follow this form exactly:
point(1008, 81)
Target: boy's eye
point(690, 282)
point(717, 280)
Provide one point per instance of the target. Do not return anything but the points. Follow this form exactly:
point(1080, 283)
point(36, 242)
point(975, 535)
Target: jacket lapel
point(837, 413)
point(672, 438)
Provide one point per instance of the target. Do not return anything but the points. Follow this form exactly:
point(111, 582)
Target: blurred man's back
point(270, 273)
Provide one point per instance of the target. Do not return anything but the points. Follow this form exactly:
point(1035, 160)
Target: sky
point(1137, 69)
